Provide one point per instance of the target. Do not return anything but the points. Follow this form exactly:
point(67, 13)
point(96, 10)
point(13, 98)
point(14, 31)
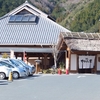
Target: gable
point(24, 12)
point(23, 16)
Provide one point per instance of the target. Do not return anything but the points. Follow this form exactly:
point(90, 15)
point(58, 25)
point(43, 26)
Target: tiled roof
point(45, 32)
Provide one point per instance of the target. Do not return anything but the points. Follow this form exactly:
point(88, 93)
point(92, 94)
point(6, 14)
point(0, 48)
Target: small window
point(12, 18)
point(19, 17)
point(25, 18)
point(32, 18)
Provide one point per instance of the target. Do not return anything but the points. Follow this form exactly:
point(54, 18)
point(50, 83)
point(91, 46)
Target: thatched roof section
point(81, 35)
point(81, 41)
point(84, 45)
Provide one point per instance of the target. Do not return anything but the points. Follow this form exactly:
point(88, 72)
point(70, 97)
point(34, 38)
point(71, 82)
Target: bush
point(47, 71)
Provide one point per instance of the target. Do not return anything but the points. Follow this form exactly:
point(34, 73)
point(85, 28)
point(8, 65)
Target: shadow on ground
point(4, 82)
point(29, 77)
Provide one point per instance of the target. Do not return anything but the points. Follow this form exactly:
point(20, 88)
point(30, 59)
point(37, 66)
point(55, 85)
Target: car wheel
point(2, 76)
point(15, 75)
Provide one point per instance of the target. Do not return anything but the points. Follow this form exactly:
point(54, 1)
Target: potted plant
point(61, 67)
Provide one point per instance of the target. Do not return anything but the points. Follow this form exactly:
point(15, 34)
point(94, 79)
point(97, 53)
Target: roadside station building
point(82, 51)
point(27, 31)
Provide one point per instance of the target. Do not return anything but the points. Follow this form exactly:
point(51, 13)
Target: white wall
point(73, 62)
point(98, 63)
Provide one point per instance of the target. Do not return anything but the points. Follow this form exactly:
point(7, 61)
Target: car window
point(6, 60)
point(19, 63)
point(0, 64)
point(6, 64)
point(14, 62)
point(22, 62)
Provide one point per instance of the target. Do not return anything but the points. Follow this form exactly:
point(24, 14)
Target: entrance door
point(86, 63)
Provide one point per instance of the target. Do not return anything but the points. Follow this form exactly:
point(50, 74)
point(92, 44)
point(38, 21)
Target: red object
point(67, 72)
point(59, 71)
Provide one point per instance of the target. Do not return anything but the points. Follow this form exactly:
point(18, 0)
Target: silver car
point(17, 64)
point(17, 72)
point(4, 71)
point(31, 68)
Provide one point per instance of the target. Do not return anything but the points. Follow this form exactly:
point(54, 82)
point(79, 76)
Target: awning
point(34, 50)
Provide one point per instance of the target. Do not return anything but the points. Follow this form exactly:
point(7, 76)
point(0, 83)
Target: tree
point(55, 52)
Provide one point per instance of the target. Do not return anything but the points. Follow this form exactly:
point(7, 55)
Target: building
point(28, 32)
point(81, 51)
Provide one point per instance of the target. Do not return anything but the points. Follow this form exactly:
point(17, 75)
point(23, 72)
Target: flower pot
point(59, 71)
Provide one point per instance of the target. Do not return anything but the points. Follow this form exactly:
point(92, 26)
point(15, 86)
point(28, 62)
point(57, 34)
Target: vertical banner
point(86, 62)
point(11, 54)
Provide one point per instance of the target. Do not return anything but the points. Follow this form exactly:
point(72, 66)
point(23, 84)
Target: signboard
point(86, 62)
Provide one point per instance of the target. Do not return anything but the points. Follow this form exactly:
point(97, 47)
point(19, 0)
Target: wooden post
point(45, 60)
point(36, 67)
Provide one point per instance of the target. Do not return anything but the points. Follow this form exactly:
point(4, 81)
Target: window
point(32, 18)
point(22, 19)
point(14, 62)
point(6, 64)
point(12, 18)
point(18, 18)
point(25, 18)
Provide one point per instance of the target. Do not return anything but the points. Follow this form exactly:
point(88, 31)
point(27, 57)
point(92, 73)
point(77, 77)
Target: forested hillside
point(8, 5)
point(76, 15)
point(87, 19)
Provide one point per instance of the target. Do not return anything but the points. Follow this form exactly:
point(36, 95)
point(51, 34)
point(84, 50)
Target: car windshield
point(17, 63)
point(22, 62)
point(14, 62)
point(6, 64)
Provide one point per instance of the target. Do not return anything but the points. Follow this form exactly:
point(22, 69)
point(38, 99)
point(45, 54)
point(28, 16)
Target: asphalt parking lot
point(52, 87)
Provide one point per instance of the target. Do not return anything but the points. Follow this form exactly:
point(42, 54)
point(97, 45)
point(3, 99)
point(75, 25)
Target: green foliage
point(5, 55)
point(87, 18)
point(57, 12)
point(61, 65)
point(47, 71)
point(8, 5)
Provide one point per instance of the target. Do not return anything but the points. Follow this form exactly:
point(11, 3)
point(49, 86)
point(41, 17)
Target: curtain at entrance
point(86, 62)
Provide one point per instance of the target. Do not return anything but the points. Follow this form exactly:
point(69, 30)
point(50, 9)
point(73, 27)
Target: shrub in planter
point(47, 71)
